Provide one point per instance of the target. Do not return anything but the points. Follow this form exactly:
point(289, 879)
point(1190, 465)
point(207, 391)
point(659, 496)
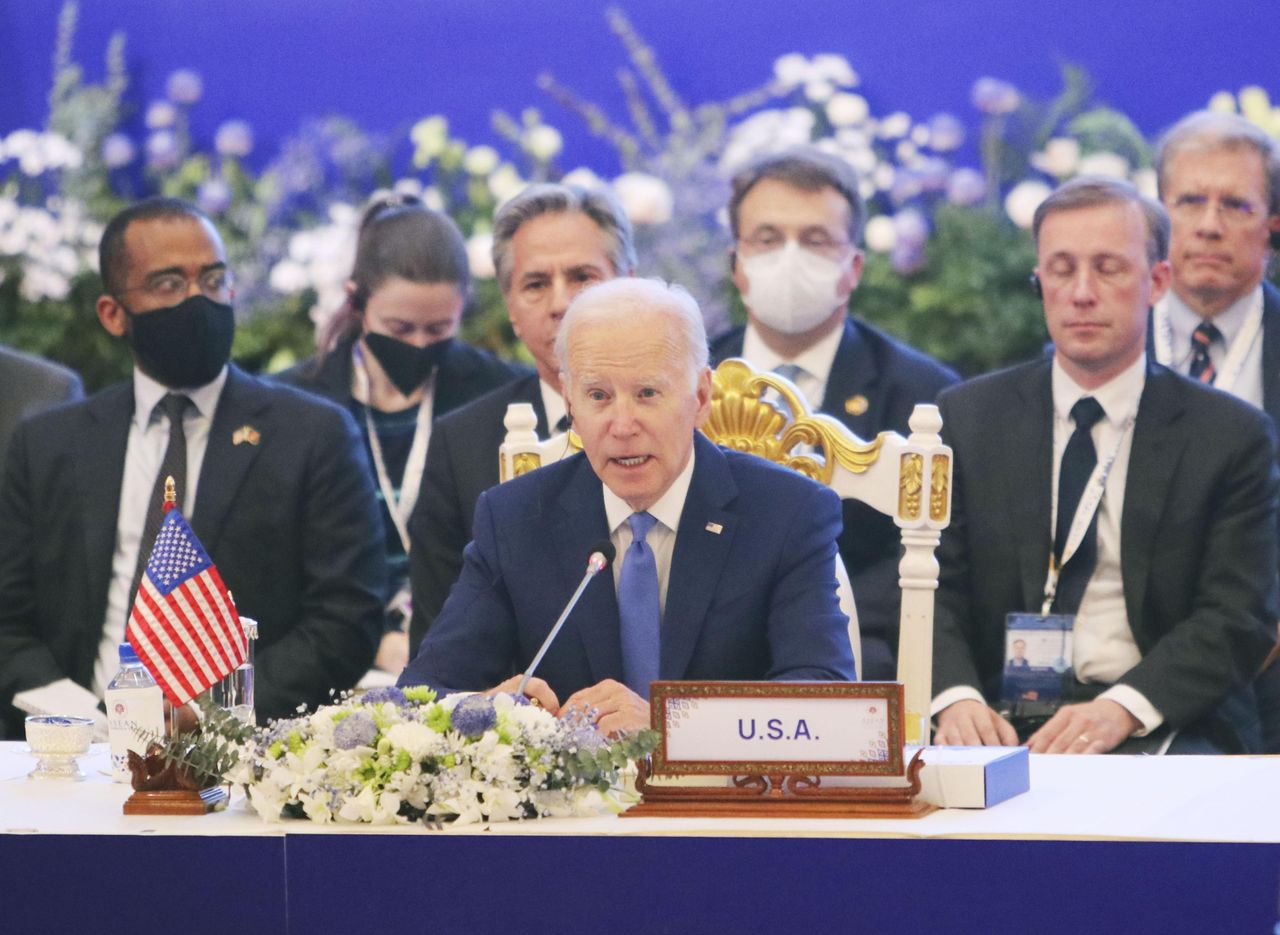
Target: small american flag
point(184, 626)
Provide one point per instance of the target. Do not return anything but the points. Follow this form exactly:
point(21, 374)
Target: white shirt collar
point(668, 508)
point(1118, 397)
point(816, 360)
point(552, 405)
point(147, 392)
point(1183, 321)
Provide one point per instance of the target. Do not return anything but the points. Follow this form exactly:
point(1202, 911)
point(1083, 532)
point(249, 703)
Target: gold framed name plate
point(757, 749)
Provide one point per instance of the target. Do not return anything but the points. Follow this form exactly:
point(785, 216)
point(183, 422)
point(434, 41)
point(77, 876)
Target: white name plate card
point(813, 728)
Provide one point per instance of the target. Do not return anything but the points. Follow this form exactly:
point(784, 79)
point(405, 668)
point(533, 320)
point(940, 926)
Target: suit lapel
point(1271, 351)
point(99, 475)
point(1153, 460)
point(1028, 476)
point(853, 373)
point(699, 556)
point(229, 454)
point(579, 524)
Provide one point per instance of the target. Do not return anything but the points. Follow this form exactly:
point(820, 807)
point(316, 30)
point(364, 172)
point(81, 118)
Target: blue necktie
point(639, 610)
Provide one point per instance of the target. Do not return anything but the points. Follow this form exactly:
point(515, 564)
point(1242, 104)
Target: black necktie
point(1202, 339)
point(174, 465)
point(1078, 461)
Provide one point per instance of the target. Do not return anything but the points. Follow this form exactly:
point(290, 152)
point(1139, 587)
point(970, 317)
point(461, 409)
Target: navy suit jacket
point(754, 598)
point(462, 463)
point(1198, 544)
point(891, 377)
point(291, 522)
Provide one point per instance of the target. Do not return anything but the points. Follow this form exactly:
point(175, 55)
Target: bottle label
point(135, 717)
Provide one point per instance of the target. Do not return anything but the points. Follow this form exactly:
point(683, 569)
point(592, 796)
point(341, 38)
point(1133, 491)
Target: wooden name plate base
point(176, 801)
point(780, 795)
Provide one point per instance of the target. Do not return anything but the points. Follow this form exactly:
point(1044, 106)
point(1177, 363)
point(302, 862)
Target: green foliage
point(212, 750)
point(970, 304)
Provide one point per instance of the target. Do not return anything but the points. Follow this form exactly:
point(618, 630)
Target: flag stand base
point(177, 801)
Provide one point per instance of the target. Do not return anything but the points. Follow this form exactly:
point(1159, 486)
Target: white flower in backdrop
point(880, 234)
point(542, 142)
point(1059, 158)
point(1110, 165)
point(480, 255)
point(1023, 199)
point(480, 160)
point(646, 198)
point(768, 131)
point(847, 110)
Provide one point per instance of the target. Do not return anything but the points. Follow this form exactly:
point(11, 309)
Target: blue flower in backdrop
point(213, 196)
point(234, 138)
point(474, 715)
point(355, 730)
point(118, 151)
point(184, 86)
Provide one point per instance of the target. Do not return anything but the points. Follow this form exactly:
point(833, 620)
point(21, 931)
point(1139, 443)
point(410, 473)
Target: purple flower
point(184, 86)
point(234, 138)
point(906, 258)
point(355, 730)
point(213, 196)
point(946, 133)
point(993, 96)
point(966, 187)
point(586, 738)
point(118, 151)
point(474, 715)
point(162, 150)
point(932, 172)
point(911, 228)
point(385, 694)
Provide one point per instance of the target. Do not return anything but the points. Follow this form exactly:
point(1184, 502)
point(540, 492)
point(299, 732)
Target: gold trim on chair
point(741, 420)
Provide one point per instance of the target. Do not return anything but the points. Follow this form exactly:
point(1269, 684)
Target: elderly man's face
point(1217, 201)
point(553, 258)
point(634, 402)
point(1098, 286)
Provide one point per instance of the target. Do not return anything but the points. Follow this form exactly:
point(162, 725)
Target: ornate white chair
point(908, 479)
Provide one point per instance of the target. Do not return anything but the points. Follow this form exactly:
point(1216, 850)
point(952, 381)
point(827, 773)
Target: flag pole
point(170, 501)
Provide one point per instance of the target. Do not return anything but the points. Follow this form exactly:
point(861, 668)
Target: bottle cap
point(127, 656)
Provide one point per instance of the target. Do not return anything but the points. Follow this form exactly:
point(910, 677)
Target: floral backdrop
point(948, 247)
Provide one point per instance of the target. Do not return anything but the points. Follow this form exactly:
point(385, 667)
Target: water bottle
point(235, 691)
point(134, 704)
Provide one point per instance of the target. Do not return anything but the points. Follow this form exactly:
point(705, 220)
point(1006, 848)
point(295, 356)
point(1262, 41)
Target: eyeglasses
point(1232, 210)
point(214, 283)
point(816, 239)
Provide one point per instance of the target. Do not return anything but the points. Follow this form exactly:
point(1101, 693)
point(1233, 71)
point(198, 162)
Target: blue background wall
point(387, 63)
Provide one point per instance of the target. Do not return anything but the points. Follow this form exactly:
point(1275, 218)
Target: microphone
point(601, 557)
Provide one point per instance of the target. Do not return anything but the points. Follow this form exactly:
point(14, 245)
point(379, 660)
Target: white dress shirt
point(661, 538)
point(815, 362)
point(1230, 321)
point(148, 439)
point(552, 405)
point(1102, 643)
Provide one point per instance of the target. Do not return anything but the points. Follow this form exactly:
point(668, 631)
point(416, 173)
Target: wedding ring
point(1083, 738)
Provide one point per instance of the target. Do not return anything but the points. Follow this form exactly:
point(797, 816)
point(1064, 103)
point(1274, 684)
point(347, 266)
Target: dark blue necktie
point(1079, 459)
point(1202, 339)
point(639, 608)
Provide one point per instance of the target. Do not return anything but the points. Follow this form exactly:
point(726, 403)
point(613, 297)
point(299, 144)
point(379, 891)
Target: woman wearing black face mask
point(391, 356)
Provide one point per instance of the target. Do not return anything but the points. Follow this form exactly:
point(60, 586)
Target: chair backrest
point(908, 479)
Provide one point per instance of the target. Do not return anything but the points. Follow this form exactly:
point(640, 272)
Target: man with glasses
point(272, 481)
point(796, 219)
point(1219, 179)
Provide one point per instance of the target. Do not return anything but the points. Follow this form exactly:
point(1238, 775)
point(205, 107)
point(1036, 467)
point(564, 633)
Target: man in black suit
point(271, 479)
point(797, 218)
point(28, 385)
point(1160, 542)
point(1219, 179)
point(549, 242)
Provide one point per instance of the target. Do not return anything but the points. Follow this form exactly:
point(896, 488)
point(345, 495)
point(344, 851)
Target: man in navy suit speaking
point(725, 566)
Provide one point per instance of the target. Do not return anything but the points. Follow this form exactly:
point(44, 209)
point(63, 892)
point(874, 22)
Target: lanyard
point(400, 508)
point(1085, 509)
point(1229, 373)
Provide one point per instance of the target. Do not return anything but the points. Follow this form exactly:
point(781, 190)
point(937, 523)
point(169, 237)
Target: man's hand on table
point(1097, 726)
point(971, 723)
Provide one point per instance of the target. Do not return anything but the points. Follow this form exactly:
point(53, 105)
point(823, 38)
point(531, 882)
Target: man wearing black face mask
point(272, 481)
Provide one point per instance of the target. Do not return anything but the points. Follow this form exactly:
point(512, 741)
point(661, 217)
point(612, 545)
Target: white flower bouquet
point(394, 756)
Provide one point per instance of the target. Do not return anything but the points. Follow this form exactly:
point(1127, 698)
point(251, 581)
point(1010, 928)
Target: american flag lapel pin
point(715, 528)
point(246, 433)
